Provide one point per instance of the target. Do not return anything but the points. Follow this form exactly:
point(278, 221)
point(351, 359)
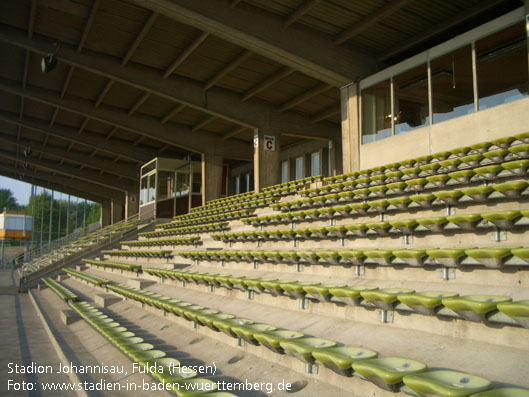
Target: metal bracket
point(450, 210)
point(240, 342)
point(448, 273)
point(311, 368)
point(385, 316)
point(304, 303)
point(498, 235)
point(250, 295)
point(255, 265)
point(211, 288)
point(184, 283)
point(296, 243)
point(343, 241)
point(230, 244)
point(222, 264)
point(407, 239)
point(299, 267)
point(259, 243)
point(195, 325)
point(359, 270)
point(332, 222)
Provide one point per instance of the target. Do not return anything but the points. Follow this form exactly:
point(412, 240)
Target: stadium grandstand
point(308, 197)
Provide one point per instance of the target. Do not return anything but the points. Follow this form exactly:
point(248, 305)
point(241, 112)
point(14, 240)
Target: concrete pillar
point(526, 3)
point(350, 128)
point(117, 210)
point(105, 214)
point(211, 177)
point(132, 205)
point(267, 166)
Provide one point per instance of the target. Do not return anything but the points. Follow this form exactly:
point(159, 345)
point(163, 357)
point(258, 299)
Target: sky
point(22, 190)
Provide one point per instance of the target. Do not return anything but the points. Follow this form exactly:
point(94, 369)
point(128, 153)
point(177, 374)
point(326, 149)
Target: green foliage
point(8, 201)
point(60, 220)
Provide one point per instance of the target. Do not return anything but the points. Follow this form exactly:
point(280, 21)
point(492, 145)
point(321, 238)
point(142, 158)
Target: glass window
point(166, 185)
point(197, 183)
point(237, 185)
point(148, 167)
point(144, 192)
point(299, 168)
point(410, 96)
point(247, 180)
point(376, 112)
point(501, 65)
point(182, 183)
point(284, 171)
point(452, 85)
point(152, 187)
point(315, 168)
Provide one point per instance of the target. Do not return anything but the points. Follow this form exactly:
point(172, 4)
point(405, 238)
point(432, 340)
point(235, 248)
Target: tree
point(8, 201)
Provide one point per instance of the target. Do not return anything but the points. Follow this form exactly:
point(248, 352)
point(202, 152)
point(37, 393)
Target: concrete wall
point(503, 120)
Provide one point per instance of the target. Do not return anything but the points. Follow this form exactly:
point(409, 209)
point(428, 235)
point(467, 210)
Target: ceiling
point(144, 78)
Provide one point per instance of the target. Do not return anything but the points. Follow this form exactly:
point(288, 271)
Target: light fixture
point(26, 166)
point(49, 61)
point(27, 152)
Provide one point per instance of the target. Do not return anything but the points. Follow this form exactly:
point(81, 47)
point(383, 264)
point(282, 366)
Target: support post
point(68, 216)
point(350, 128)
point(105, 214)
point(211, 177)
point(117, 211)
point(50, 226)
point(266, 161)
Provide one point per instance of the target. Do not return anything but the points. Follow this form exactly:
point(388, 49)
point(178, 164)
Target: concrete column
point(211, 177)
point(350, 128)
point(132, 205)
point(117, 210)
point(105, 214)
point(267, 166)
point(526, 3)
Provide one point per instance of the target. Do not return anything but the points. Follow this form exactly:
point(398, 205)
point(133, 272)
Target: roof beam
point(70, 134)
point(185, 54)
point(234, 64)
point(122, 170)
point(233, 132)
point(172, 113)
point(439, 28)
point(175, 135)
point(326, 113)
point(45, 183)
point(304, 96)
point(301, 49)
point(139, 102)
point(139, 38)
point(300, 11)
point(69, 182)
point(220, 102)
point(377, 16)
point(84, 175)
point(203, 123)
point(267, 82)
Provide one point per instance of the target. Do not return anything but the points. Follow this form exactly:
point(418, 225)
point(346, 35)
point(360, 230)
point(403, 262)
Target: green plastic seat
point(406, 226)
point(449, 197)
point(382, 257)
point(247, 331)
point(501, 219)
point(426, 302)
point(474, 307)
point(207, 319)
point(302, 348)
point(460, 177)
point(465, 222)
point(296, 290)
point(516, 167)
point(340, 358)
point(380, 228)
point(488, 172)
point(351, 294)
point(504, 392)
point(445, 383)
point(328, 256)
point(438, 180)
point(227, 324)
point(522, 253)
point(145, 355)
point(274, 286)
point(400, 202)
point(480, 147)
point(450, 257)
point(412, 257)
point(321, 291)
point(510, 189)
point(518, 311)
point(387, 372)
point(434, 224)
point(490, 257)
point(503, 142)
point(385, 298)
point(272, 339)
point(496, 155)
